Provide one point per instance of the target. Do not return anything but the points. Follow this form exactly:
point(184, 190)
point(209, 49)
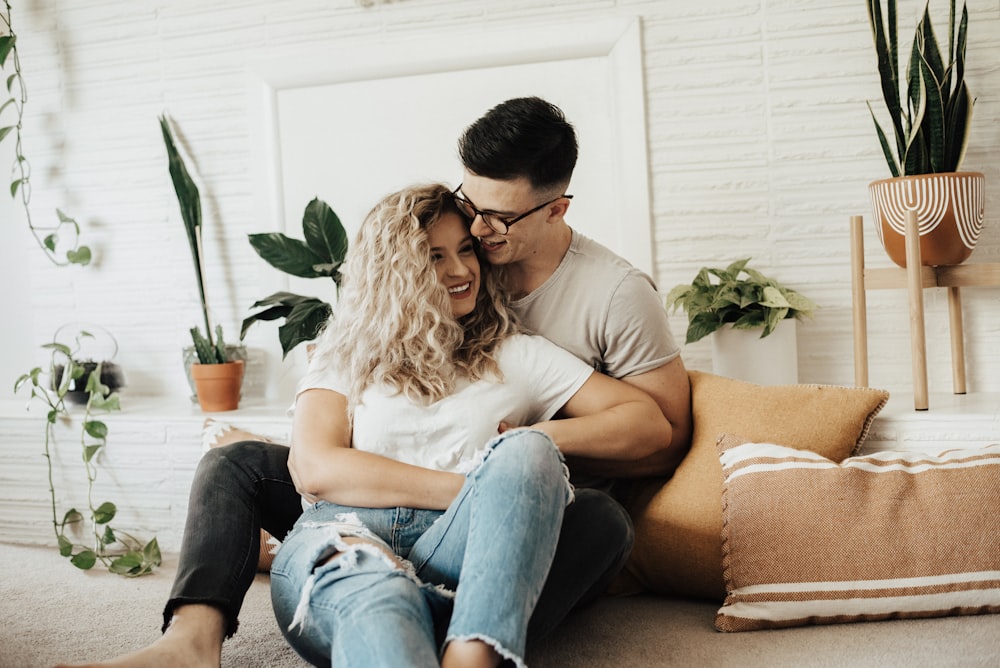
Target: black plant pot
point(111, 375)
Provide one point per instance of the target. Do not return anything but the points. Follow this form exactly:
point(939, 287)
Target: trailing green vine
point(118, 551)
point(48, 238)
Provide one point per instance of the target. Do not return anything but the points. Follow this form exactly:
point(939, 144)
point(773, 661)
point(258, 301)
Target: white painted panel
point(350, 137)
point(353, 142)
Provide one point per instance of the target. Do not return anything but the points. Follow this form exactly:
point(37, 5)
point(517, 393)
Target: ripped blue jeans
point(474, 571)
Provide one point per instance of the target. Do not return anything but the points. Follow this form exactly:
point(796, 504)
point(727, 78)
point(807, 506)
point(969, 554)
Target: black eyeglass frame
point(490, 218)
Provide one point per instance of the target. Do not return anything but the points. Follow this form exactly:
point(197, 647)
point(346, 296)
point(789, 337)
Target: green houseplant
point(189, 200)
point(930, 110)
point(49, 239)
point(117, 550)
point(319, 255)
point(217, 378)
point(737, 296)
point(88, 349)
point(930, 123)
point(733, 303)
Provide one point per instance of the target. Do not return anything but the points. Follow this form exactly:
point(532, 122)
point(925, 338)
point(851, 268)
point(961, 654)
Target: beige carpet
point(51, 612)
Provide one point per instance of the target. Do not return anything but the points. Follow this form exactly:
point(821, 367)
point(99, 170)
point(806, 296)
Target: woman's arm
point(325, 466)
point(609, 420)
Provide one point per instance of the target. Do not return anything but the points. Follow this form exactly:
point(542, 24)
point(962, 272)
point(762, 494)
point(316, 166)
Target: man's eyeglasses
point(497, 223)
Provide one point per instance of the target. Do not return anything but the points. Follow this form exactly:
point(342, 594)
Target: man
point(518, 159)
point(518, 162)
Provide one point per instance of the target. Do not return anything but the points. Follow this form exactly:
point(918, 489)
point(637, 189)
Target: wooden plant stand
point(914, 278)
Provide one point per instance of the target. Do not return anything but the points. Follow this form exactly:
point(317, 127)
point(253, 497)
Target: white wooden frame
point(617, 41)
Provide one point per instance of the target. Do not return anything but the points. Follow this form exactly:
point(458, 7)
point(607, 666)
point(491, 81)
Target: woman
point(434, 531)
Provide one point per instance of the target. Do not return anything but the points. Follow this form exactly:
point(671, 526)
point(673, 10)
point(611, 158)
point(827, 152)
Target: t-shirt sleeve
point(637, 332)
point(549, 375)
point(318, 378)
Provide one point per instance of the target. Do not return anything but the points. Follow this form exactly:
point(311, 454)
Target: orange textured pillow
point(678, 522)
point(891, 535)
point(215, 434)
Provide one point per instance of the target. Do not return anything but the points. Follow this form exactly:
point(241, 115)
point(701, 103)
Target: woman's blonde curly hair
point(393, 324)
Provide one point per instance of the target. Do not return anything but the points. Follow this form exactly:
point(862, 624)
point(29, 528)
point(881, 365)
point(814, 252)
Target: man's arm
point(670, 388)
point(608, 420)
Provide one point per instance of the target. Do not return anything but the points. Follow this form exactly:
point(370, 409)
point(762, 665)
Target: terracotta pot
point(950, 209)
point(234, 351)
point(218, 385)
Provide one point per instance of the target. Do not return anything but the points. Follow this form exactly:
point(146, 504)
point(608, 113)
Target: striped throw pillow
point(890, 535)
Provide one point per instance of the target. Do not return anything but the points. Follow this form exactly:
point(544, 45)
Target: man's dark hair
point(522, 137)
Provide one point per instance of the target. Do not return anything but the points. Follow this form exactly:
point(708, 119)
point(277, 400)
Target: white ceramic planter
point(742, 354)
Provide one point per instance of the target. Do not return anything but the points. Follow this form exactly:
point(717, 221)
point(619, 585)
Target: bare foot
point(193, 640)
point(469, 654)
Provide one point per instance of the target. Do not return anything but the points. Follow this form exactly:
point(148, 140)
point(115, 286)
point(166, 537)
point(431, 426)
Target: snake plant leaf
point(189, 200)
point(931, 125)
point(883, 141)
point(886, 49)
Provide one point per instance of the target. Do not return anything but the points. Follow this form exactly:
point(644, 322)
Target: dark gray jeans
point(243, 487)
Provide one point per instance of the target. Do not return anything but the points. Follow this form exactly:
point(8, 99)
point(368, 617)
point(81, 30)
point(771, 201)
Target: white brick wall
point(146, 469)
point(760, 145)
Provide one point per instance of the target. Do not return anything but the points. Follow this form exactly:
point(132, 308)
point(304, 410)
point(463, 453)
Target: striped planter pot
point(950, 209)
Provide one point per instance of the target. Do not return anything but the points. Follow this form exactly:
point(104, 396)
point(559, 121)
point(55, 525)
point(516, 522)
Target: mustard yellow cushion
point(678, 522)
point(890, 535)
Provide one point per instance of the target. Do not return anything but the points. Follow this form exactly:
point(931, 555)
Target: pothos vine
point(117, 550)
point(48, 238)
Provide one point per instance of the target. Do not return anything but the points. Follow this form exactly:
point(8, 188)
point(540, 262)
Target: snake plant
point(931, 107)
point(189, 200)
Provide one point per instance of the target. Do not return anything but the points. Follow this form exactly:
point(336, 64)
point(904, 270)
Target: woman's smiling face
point(453, 254)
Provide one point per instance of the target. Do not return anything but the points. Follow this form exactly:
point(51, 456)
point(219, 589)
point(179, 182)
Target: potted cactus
point(930, 109)
point(217, 378)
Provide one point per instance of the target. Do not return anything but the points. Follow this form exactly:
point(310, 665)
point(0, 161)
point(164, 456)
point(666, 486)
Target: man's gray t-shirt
point(603, 310)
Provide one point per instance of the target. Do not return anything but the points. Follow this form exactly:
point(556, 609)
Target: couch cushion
point(885, 536)
point(678, 522)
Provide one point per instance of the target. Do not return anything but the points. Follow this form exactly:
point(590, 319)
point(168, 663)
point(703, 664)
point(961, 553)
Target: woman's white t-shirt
point(451, 434)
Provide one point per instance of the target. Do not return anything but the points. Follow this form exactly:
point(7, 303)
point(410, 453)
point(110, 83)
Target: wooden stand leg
point(918, 346)
point(859, 303)
point(957, 340)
